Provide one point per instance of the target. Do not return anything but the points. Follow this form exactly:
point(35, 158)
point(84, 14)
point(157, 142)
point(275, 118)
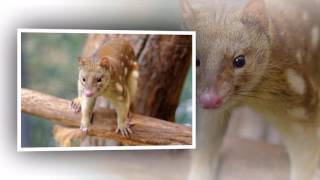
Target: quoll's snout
point(208, 99)
point(88, 93)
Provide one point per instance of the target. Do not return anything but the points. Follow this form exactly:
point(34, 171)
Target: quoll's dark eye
point(197, 62)
point(84, 79)
point(98, 80)
point(239, 61)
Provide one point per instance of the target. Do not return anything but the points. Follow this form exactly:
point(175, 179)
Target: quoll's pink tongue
point(88, 93)
point(209, 100)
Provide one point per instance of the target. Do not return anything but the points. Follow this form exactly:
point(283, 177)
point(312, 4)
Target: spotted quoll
point(263, 54)
point(112, 72)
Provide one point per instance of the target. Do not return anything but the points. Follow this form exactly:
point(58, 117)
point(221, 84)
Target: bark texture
point(146, 130)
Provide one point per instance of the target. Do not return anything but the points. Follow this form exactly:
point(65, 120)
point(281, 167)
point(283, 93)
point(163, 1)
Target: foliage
point(48, 65)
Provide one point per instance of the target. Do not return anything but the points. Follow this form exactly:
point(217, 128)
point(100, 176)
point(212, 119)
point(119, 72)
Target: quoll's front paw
point(124, 129)
point(84, 129)
point(76, 104)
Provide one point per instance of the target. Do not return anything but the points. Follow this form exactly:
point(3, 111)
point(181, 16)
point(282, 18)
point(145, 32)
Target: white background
point(77, 14)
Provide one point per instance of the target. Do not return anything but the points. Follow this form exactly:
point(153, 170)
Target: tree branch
point(146, 130)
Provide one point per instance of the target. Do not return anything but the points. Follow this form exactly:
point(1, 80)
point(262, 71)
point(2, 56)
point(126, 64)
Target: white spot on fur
point(298, 128)
point(119, 87)
point(305, 16)
point(299, 56)
point(315, 36)
point(296, 82)
point(96, 46)
point(135, 74)
point(125, 71)
point(299, 113)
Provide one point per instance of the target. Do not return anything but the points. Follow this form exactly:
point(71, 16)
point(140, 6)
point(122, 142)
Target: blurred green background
point(49, 65)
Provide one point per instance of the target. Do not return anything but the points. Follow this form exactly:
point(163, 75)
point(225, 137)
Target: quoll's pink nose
point(88, 93)
point(209, 100)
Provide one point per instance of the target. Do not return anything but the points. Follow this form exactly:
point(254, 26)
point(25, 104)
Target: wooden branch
point(146, 130)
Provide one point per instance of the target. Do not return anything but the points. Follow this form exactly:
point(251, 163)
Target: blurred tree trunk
point(164, 61)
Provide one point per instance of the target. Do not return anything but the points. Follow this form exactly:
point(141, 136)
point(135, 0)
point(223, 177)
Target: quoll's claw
point(76, 105)
point(124, 131)
point(84, 130)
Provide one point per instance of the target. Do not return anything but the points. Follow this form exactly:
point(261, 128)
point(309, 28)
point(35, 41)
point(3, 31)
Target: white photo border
point(97, 148)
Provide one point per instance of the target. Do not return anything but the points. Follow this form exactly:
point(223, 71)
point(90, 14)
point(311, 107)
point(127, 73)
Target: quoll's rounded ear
point(104, 62)
point(189, 13)
point(254, 14)
point(81, 61)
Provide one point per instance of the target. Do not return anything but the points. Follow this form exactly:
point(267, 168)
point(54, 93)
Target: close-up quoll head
point(93, 76)
point(231, 62)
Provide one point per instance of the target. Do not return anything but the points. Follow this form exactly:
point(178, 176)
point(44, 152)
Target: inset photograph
point(105, 90)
